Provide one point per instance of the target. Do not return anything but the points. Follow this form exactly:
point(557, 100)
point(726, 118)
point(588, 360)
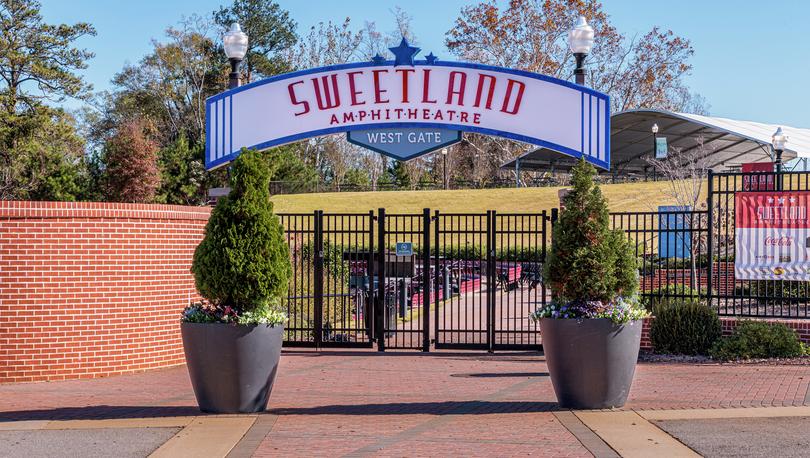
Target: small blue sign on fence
point(673, 240)
point(404, 249)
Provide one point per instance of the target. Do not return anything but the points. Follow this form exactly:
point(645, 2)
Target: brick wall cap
point(17, 209)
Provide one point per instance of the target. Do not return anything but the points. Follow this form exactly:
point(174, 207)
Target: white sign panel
point(508, 103)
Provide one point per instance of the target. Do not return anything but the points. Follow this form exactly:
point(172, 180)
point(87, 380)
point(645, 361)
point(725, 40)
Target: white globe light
point(580, 38)
point(779, 140)
point(236, 42)
point(655, 128)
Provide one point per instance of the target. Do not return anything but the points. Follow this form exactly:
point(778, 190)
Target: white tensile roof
point(727, 142)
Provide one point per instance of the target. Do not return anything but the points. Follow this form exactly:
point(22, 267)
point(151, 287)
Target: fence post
point(710, 242)
point(491, 284)
point(438, 269)
point(318, 286)
point(370, 313)
point(555, 215)
point(426, 279)
point(543, 255)
point(380, 309)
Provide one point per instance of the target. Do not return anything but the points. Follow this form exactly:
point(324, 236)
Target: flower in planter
point(591, 270)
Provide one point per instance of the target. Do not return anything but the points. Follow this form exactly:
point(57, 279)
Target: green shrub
point(588, 262)
point(244, 261)
point(678, 291)
point(684, 327)
point(758, 339)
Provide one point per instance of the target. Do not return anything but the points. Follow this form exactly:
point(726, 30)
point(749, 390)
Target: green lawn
point(621, 197)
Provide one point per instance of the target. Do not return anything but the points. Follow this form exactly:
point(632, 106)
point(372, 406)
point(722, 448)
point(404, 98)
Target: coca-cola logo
point(779, 241)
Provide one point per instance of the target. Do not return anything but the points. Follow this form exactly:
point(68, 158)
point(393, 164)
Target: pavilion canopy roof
point(728, 142)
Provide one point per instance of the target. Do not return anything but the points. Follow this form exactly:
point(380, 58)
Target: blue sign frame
point(457, 136)
point(588, 139)
point(674, 241)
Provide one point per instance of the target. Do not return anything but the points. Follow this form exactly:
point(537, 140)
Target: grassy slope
point(621, 197)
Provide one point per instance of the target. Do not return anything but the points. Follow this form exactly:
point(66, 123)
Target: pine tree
point(244, 261)
point(182, 173)
point(588, 261)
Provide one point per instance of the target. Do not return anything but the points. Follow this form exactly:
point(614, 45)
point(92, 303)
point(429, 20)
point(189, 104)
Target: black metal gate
point(754, 298)
point(488, 279)
point(329, 302)
point(403, 281)
point(462, 295)
point(477, 277)
point(518, 253)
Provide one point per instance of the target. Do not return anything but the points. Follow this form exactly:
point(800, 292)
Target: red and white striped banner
point(772, 235)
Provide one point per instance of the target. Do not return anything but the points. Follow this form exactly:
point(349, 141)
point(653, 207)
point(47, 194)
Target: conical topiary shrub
point(242, 266)
point(590, 329)
point(590, 268)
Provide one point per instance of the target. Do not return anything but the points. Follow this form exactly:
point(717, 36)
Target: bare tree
point(375, 164)
point(339, 155)
point(415, 168)
point(685, 171)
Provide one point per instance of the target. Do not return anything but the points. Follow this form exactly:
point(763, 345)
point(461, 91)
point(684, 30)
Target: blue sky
point(752, 58)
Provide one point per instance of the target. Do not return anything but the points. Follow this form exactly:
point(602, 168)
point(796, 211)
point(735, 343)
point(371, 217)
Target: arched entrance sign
point(409, 96)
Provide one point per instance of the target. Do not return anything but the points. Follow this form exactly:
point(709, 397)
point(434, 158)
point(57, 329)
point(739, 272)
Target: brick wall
point(802, 328)
point(723, 281)
point(93, 289)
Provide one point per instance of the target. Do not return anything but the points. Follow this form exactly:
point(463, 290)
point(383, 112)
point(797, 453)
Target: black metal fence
point(671, 249)
point(755, 298)
point(470, 280)
point(540, 180)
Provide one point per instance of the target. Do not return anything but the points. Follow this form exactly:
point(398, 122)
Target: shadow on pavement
point(99, 413)
point(523, 356)
point(430, 408)
point(502, 375)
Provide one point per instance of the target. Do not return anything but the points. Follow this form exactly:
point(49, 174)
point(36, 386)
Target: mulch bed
point(648, 357)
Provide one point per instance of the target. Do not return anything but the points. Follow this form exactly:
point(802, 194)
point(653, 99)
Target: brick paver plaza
point(395, 404)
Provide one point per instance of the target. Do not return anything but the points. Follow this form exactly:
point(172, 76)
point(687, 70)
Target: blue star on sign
point(378, 59)
point(404, 53)
point(431, 59)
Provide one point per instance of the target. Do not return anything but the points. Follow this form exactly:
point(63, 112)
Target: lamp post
point(655, 139)
point(580, 42)
point(475, 170)
point(236, 45)
point(778, 142)
point(444, 159)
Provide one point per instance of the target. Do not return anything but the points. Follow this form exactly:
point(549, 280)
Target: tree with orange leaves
point(132, 173)
point(532, 35)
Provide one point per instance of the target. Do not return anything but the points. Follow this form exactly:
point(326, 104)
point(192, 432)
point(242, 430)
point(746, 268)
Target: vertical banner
point(760, 182)
point(660, 147)
point(772, 235)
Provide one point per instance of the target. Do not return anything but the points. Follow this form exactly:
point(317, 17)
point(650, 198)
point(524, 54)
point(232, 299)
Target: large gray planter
point(232, 367)
point(591, 361)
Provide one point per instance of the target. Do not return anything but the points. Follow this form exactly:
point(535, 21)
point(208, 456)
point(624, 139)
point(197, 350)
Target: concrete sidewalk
point(411, 404)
